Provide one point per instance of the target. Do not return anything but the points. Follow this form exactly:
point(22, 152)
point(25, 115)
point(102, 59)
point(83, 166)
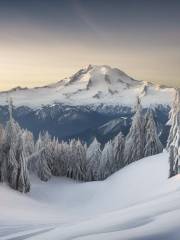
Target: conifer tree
point(56, 158)
point(93, 157)
point(118, 149)
point(23, 179)
point(135, 140)
point(62, 159)
point(71, 160)
point(174, 119)
point(80, 166)
point(65, 158)
point(15, 168)
point(172, 165)
point(2, 157)
point(13, 141)
point(174, 158)
point(174, 138)
point(106, 167)
point(44, 171)
point(43, 161)
point(28, 143)
point(153, 144)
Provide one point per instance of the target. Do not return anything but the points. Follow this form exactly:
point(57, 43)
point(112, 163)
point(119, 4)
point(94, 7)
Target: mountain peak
point(96, 75)
point(94, 84)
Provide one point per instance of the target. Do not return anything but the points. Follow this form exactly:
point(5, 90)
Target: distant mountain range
point(95, 101)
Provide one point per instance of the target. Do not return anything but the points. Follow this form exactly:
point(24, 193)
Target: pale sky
point(44, 41)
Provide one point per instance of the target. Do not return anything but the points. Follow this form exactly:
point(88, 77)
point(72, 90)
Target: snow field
point(137, 202)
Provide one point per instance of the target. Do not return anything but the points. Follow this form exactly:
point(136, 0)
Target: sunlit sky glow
point(44, 41)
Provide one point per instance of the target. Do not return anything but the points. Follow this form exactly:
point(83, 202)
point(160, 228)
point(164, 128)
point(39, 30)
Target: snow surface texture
point(138, 202)
point(92, 85)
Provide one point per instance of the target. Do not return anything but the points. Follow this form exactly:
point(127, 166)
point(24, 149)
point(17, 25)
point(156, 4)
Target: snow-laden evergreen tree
point(93, 156)
point(28, 143)
point(43, 170)
point(62, 159)
point(27, 151)
point(65, 158)
point(174, 137)
point(153, 144)
point(135, 140)
point(177, 151)
point(71, 159)
point(118, 149)
point(174, 118)
point(174, 158)
point(13, 168)
point(2, 155)
point(75, 157)
point(23, 179)
point(43, 161)
point(79, 161)
point(106, 167)
point(56, 158)
point(172, 165)
point(13, 134)
point(14, 171)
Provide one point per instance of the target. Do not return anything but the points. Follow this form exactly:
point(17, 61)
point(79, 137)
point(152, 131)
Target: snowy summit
point(92, 85)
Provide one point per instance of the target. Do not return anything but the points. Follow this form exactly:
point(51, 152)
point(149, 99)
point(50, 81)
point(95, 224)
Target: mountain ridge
point(92, 85)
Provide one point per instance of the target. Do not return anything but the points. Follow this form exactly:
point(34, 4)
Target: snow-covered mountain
point(79, 106)
point(92, 85)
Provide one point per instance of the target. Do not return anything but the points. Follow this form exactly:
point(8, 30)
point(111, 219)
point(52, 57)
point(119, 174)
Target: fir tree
point(80, 167)
point(43, 160)
point(71, 160)
point(152, 142)
point(13, 142)
point(23, 180)
point(135, 140)
point(43, 170)
point(107, 161)
point(93, 157)
point(65, 159)
point(14, 149)
point(174, 119)
point(172, 166)
point(118, 149)
point(2, 157)
point(28, 143)
point(174, 138)
point(56, 158)
point(174, 159)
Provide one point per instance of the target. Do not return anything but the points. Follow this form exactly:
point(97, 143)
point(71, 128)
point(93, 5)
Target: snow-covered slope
point(138, 202)
point(92, 85)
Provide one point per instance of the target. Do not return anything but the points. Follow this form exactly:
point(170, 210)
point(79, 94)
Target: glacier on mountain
point(92, 85)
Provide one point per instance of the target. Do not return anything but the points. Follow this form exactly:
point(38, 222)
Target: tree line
point(21, 155)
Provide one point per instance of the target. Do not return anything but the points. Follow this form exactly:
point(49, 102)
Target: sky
point(43, 41)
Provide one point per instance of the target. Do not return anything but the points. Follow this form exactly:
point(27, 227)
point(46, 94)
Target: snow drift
point(138, 202)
